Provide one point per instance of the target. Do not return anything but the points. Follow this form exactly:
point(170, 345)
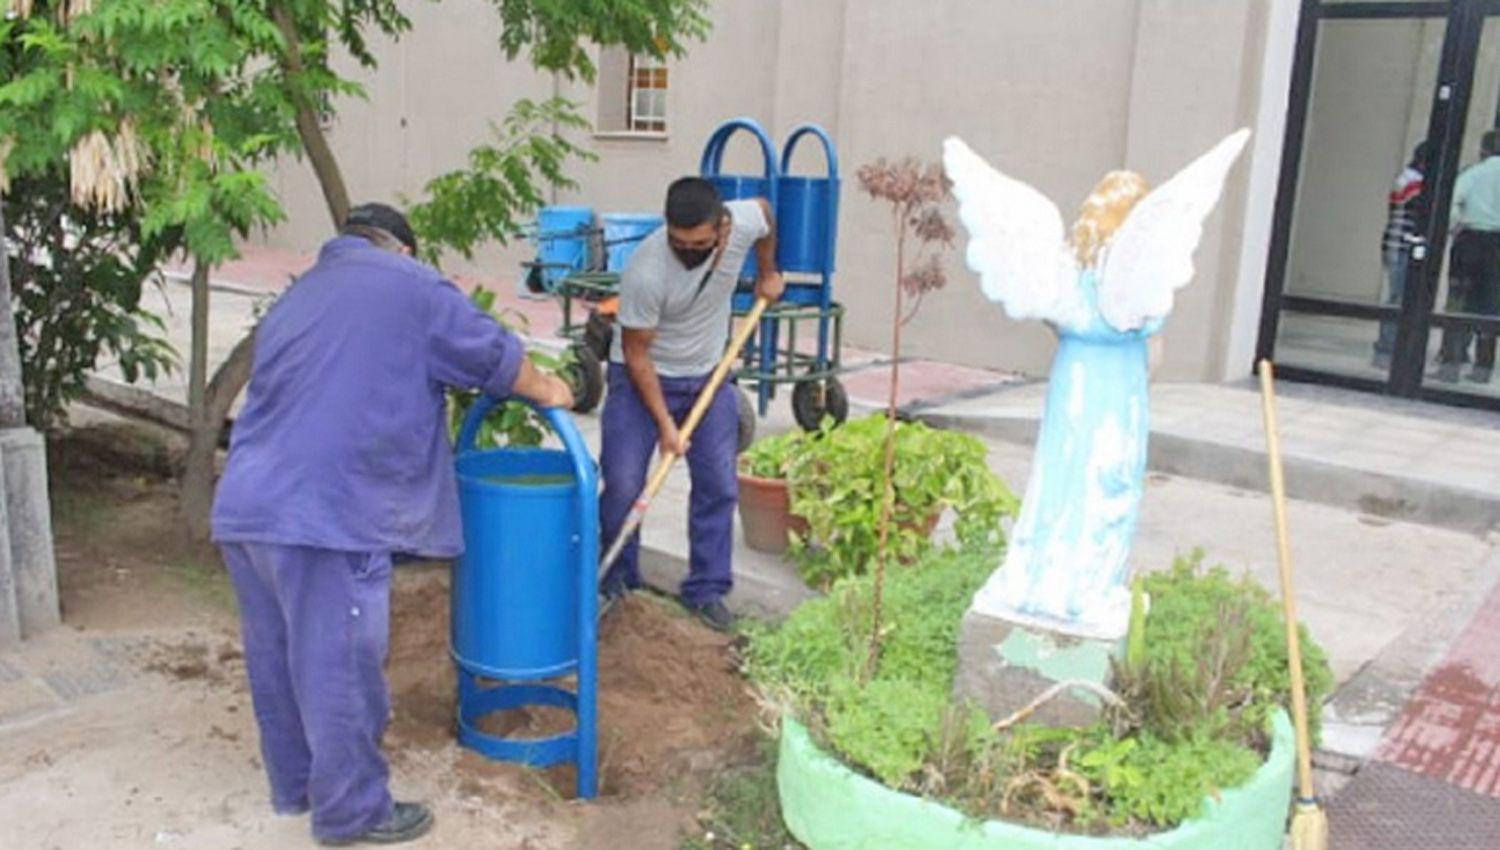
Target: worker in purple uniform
point(339, 459)
point(674, 320)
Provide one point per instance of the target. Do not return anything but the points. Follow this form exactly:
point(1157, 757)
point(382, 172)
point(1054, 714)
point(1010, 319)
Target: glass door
point(1455, 342)
point(1384, 271)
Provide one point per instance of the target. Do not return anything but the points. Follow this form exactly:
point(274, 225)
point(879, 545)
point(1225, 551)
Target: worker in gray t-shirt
point(673, 325)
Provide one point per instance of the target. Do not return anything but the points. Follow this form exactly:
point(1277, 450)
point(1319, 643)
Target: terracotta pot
point(766, 515)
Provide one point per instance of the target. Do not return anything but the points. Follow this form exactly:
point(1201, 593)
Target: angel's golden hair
point(1104, 211)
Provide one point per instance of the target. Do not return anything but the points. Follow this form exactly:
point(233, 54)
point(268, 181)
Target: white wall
point(1055, 93)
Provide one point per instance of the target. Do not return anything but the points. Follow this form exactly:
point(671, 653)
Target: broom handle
point(1284, 560)
point(700, 408)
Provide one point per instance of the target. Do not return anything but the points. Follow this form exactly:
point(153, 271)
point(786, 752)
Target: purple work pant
point(629, 442)
point(316, 626)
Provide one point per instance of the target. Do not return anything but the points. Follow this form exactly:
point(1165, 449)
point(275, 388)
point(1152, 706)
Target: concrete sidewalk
point(1394, 516)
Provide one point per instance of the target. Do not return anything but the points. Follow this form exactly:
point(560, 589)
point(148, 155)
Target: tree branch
point(324, 164)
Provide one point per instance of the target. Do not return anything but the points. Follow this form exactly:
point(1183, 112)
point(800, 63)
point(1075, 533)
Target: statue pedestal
point(1006, 660)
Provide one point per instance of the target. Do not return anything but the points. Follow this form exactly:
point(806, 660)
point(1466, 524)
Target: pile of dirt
point(671, 703)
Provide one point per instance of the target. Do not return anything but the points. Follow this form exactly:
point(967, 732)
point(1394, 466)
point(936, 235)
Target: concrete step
point(1402, 461)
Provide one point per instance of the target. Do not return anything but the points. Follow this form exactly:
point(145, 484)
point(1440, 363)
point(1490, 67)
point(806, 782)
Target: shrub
point(1208, 668)
point(835, 481)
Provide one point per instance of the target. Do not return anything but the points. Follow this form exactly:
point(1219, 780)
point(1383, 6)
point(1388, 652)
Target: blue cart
point(799, 339)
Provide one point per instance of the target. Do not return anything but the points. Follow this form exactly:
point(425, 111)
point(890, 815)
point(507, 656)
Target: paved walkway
point(1394, 516)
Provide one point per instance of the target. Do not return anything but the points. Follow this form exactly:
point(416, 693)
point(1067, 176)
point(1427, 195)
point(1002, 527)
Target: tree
point(468, 206)
point(146, 123)
point(134, 131)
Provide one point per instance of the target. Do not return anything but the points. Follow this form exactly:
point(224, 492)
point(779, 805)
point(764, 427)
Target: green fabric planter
point(827, 806)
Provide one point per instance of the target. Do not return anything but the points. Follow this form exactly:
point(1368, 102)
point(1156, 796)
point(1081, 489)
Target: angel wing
point(1151, 255)
point(1017, 244)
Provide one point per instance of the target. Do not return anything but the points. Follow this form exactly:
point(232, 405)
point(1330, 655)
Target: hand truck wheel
point(747, 419)
point(814, 400)
point(585, 376)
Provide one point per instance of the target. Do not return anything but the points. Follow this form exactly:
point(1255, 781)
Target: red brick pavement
point(1451, 728)
point(923, 381)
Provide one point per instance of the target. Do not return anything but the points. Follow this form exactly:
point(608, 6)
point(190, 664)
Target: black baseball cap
point(386, 218)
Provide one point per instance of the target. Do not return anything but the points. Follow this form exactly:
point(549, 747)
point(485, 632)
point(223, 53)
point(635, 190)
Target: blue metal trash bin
point(524, 601)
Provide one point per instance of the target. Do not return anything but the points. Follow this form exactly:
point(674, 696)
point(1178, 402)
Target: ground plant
point(1206, 670)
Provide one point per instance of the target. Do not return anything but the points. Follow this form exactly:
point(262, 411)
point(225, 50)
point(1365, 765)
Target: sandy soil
point(166, 756)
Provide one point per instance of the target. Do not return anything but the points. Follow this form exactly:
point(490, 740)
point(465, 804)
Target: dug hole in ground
point(156, 746)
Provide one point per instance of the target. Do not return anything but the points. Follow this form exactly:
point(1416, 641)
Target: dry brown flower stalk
point(7, 144)
point(915, 191)
point(72, 10)
point(103, 172)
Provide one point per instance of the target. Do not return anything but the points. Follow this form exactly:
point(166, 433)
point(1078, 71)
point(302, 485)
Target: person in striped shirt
point(1406, 207)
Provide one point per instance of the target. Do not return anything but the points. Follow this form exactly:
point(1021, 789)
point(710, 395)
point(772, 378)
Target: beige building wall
point(1054, 92)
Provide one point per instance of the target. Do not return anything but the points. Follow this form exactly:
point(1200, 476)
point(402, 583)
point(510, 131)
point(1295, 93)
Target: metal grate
point(1388, 808)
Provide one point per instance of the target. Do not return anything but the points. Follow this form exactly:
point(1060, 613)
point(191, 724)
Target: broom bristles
point(1309, 827)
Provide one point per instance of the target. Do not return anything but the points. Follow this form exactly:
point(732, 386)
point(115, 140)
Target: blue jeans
point(1397, 262)
point(629, 442)
point(316, 626)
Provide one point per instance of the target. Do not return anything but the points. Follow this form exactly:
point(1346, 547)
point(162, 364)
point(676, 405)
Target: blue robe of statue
point(1067, 560)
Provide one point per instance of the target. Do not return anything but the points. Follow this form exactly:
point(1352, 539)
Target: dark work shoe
point(1480, 375)
point(1448, 373)
point(408, 822)
point(713, 614)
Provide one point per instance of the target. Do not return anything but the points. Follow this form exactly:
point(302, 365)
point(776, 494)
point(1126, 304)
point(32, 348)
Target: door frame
point(1448, 116)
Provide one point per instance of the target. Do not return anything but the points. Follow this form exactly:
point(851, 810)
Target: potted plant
point(819, 495)
point(765, 504)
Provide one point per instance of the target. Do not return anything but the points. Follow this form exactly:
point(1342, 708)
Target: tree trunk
point(203, 443)
point(319, 153)
point(12, 392)
point(198, 359)
point(234, 374)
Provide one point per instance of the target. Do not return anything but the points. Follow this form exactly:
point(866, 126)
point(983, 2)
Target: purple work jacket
point(342, 443)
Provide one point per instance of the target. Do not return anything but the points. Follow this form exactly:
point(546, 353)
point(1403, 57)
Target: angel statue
point(1105, 292)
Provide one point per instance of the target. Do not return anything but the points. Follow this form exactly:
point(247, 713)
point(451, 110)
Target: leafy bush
point(770, 456)
point(835, 479)
point(1218, 641)
point(513, 422)
point(1215, 661)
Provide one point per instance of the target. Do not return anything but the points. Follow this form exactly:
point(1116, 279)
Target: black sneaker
point(408, 822)
point(1480, 375)
point(713, 614)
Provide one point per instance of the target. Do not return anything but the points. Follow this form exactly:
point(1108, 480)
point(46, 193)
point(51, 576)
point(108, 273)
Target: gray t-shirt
point(657, 293)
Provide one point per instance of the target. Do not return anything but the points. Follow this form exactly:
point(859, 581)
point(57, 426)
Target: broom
point(1309, 823)
point(700, 407)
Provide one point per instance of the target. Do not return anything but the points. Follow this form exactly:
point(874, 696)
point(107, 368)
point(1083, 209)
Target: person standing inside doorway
point(1406, 208)
point(1474, 264)
point(674, 319)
